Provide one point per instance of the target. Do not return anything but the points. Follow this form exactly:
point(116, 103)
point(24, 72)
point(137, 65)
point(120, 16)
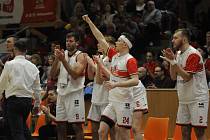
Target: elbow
point(136, 82)
point(173, 78)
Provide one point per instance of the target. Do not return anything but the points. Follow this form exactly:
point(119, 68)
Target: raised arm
point(98, 35)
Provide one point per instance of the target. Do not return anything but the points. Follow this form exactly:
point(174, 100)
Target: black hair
point(21, 44)
point(55, 42)
point(73, 34)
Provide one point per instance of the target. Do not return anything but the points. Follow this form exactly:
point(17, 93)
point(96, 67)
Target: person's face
point(52, 96)
point(71, 44)
point(149, 56)
point(158, 72)
point(120, 44)
point(107, 8)
point(53, 46)
point(165, 64)
point(142, 72)
point(150, 5)
point(177, 40)
point(50, 60)
point(10, 44)
point(34, 60)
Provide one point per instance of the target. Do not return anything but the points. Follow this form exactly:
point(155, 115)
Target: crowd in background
point(150, 22)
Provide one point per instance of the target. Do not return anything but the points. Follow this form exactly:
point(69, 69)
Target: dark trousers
point(18, 109)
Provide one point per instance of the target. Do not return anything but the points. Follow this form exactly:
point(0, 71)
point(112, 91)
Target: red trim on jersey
point(132, 66)
point(111, 52)
point(183, 124)
point(125, 126)
point(204, 126)
point(119, 73)
point(193, 63)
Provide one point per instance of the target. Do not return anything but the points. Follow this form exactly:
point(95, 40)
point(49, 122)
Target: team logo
point(127, 105)
point(76, 102)
point(201, 105)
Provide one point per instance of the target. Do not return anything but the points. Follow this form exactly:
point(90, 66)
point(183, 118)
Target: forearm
point(128, 83)
point(90, 72)
point(98, 76)
point(173, 72)
point(71, 71)
point(105, 70)
point(51, 116)
point(55, 69)
point(37, 98)
point(98, 35)
point(185, 75)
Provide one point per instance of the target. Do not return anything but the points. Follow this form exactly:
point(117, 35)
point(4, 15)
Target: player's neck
point(123, 52)
point(184, 47)
point(71, 53)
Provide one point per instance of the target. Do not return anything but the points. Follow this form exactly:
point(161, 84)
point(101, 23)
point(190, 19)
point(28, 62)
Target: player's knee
point(135, 129)
point(186, 132)
point(77, 127)
point(102, 131)
point(199, 132)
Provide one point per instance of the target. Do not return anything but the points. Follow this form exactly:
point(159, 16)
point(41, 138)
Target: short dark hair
point(21, 44)
point(55, 42)
point(73, 34)
point(185, 32)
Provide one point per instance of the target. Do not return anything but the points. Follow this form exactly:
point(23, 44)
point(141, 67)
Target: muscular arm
point(91, 70)
point(98, 35)
point(184, 74)
point(104, 70)
point(173, 72)
point(55, 69)
point(4, 78)
point(129, 83)
point(78, 69)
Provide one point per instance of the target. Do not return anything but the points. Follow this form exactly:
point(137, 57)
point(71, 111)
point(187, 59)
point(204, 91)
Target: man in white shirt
point(20, 79)
point(187, 67)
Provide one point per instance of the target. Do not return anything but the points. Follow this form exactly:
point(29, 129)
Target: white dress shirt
point(20, 78)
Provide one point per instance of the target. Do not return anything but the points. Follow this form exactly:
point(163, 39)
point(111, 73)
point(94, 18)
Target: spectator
point(144, 77)
point(49, 130)
point(150, 63)
point(36, 60)
point(161, 80)
point(151, 23)
point(207, 40)
point(107, 16)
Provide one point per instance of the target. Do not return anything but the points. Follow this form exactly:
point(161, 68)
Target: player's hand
point(109, 85)
point(86, 18)
point(35, 111)
point(45, 109)
point(169, 56)
point(60, 54)
point(97, 59)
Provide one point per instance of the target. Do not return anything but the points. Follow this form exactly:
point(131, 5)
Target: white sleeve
point(4, 78)
point(37, 90)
